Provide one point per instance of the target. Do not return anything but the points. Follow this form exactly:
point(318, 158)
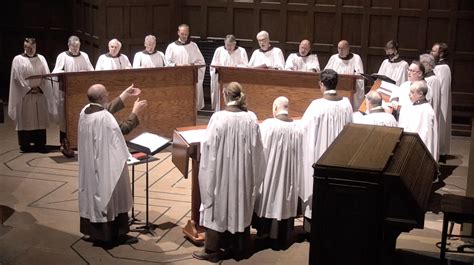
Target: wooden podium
point(263, 86)
point(371, 184)
point(170, 92)
point(182, 152)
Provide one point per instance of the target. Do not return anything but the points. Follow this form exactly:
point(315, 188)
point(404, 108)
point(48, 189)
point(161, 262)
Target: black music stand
point(147, 228)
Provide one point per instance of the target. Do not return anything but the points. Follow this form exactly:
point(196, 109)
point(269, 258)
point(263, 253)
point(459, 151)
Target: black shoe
point(69, 153)
point(212, 256)
point(127, 240)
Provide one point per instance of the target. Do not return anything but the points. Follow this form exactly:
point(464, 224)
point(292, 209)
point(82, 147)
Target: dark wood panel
point(411, 4)
point(241, 27)
point(192, 17)
point(438, 31)
point(464, 35)
point(297, 26)
point(373, 63)
point(324, 27)
point(467, 5)
point(351, 29)
point(379, 31)
point(439, 5)
point(162, 29)
point(270, 21)
point(358, 3)
point(462, 78)
point(139, 22)
point(381, 3)
point(408, 32)
point(115, 22)
point(325, 2)
point(298, 2)
point(217, 24)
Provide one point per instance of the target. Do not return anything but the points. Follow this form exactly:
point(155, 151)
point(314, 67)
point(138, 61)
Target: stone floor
point(40, 219)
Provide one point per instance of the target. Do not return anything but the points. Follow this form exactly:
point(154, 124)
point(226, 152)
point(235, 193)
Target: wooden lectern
point(182, 152)
point(263, 86)
point(370, 185)
point(170, 92)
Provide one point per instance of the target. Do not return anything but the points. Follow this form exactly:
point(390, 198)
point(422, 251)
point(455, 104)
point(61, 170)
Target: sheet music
point(387, 88)
point(193, 136)
point(150, 140)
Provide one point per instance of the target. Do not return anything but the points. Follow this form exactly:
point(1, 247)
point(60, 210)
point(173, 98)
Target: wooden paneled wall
point(366, 24)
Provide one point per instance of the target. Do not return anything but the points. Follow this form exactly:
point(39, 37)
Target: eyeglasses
point(413, 71)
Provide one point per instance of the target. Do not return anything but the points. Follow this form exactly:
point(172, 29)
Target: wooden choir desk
point(182, 151)
point(263, 86)
point(170, 92)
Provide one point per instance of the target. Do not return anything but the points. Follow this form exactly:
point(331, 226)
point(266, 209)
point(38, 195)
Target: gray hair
point(73, 40)
point(420, 87)
point(374, 98)
point(230, 39)
point(264, 34)
point(119, 44)
point(428, 61)
point(281, 103)
point(150, 38)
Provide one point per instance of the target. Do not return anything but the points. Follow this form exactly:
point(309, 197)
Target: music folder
point(373, 77)
point(148, 143)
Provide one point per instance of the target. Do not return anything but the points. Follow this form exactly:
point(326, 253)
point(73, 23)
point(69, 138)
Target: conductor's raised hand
point(139, 106)
point(130, 92)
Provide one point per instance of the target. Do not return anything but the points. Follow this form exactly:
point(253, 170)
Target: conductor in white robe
point(114, 59)
point(277, 199)
point(376, 114)
point(228, 55)
point(303, 60)
point(104, 186)
point(186, 52)
point(322, 122)
point(231, 169)
point(345, 62)
point(72, 60)
point(149, 57)
point(443, 72)
point(420, 118)
point(31, 102)
point(267, 56)
point(394, 67)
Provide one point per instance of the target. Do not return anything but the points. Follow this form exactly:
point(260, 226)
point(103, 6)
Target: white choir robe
point(272, 58)
point(403, 94)
point(376, 117)
point(283, 149)
point(309, 63)
point(443, 72)
point(236, 58)
point(106, 62)
point(30, 111)
point(66, 62)
point(322, 122)
point(231, 169)
point(104, 184)
point(434, 98)
point(350, 67)
point(421, 119)
point(143, 59)
point(178, 53)
point(397, 71)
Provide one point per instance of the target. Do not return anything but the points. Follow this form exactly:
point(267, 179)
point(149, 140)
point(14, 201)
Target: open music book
point(375, 76)
point(149, 143)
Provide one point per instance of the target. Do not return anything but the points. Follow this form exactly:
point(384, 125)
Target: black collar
point(110, 56)
point(69, 53)
point(299, 55)
point(233, 108)
point(93, 108)
point(430, 73)
point(419, 102)
point(180, 43)
point(376, 110)
point(26, 55)
point(396, 60)
point(348, 57)
point(269, 49)
point(284, 117)
point(441, 62)
point(149, 53)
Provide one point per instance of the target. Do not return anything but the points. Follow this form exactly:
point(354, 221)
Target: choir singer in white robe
point(322, 122)
point(104, 186)
point(114, 59)
point(345, 62)
point(186, 52)
point(72, 60)
point(303, 60)
point(420, 118)
point(150, 57)
point(231, 170)
point(443, 72)
point(277, 200)
point(267, 56)
point(376, 114)
point(228, 55)
point(393, 67)
point(31, 102)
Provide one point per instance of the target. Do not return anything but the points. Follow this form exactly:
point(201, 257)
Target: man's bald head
point(374, 99)
point(280, 106)
point(97, 93)
point(305, 47)
point(343, 48)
